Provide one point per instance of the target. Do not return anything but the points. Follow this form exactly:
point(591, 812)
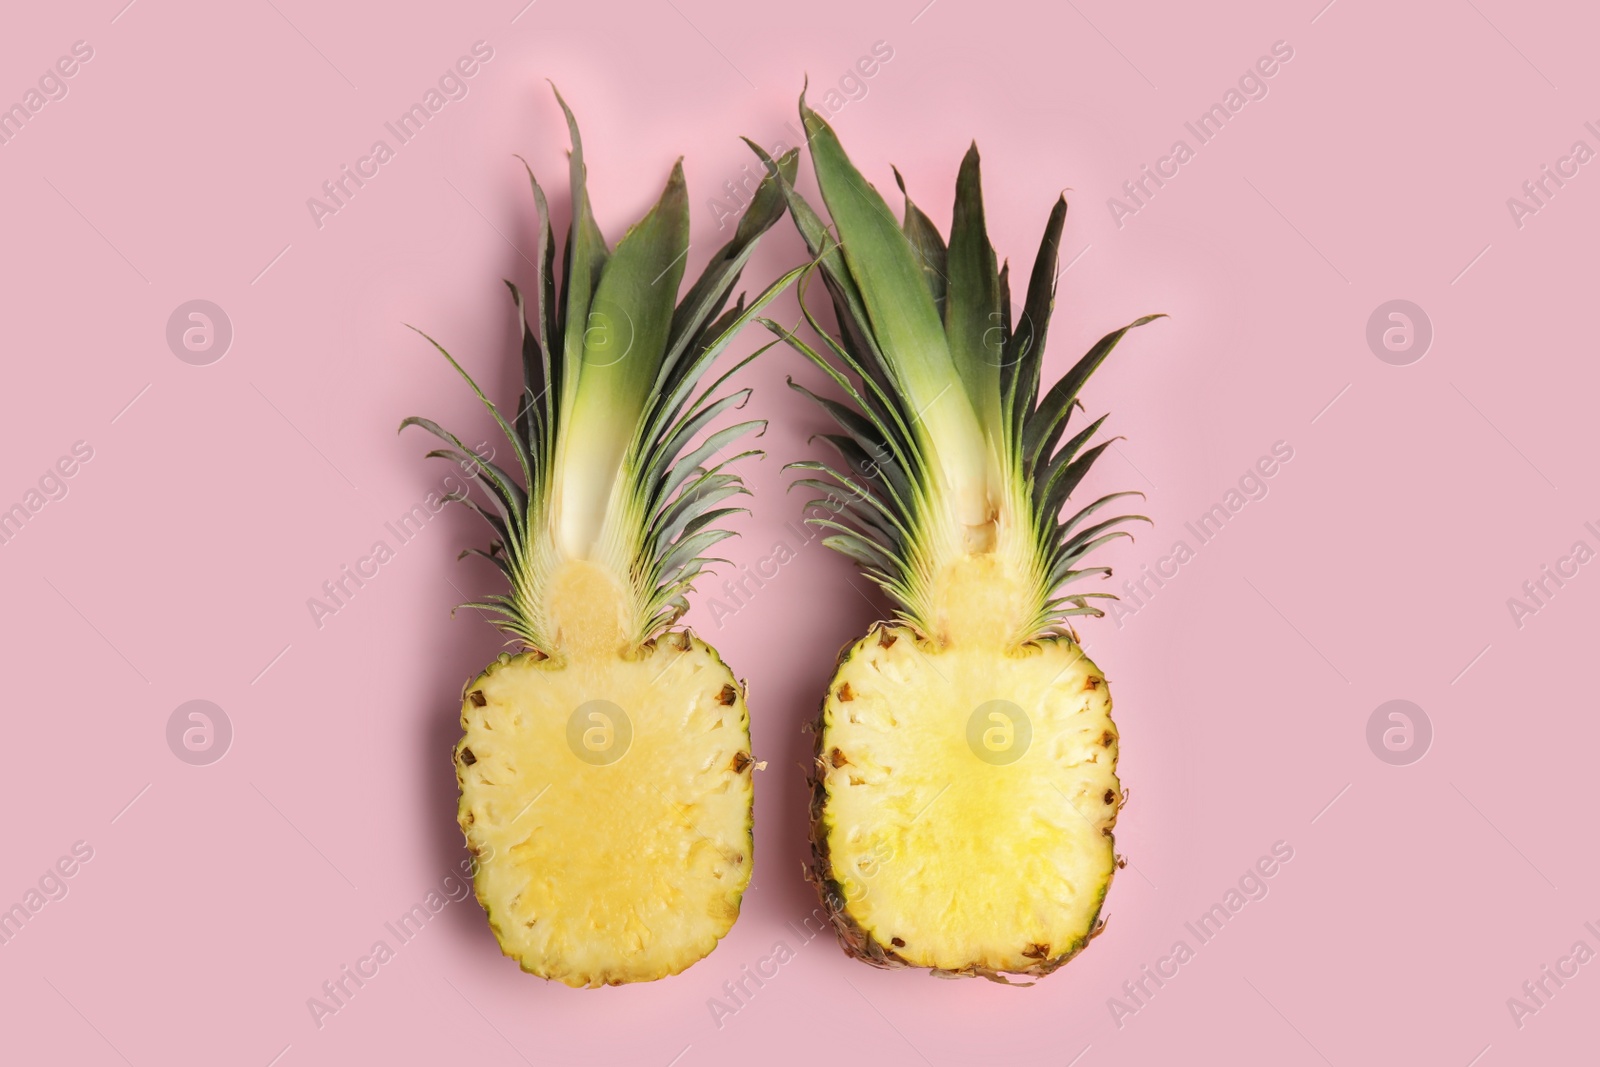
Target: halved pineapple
point(967, 831)
point(965, 787)
point(613, 831)
point(605, 770)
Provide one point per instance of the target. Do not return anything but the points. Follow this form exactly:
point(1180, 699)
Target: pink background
point(179, 564)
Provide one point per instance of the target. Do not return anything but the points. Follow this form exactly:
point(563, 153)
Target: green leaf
point(694, 523)
point(629, 322)
point(503, 492)
point(530, 417)
point(684, 432)
point(1045, 474)
point(871, 454)
point(657, 456)
point(517, 444)
point(858, 548)
point(876, 402)
point(667, 411)
point(907, 327)
point(691, 507)
point(973, 318)
point(929, 247)
point(498, 560)
point(1070, 524)
point(633, 307)
point(885, 268)
point(1064, 575)
point(1088, 536)
point(688, 548)
point(547, 317)
point(1043, 428)
point(857, 501)
point(1078, 553)
point(585, 259)
point(691, 476)
point(1059, 489)
point(495, 522)
point(711, 290)
point(1025, 349)
point(714, 443)
point(1005, 310)
point(824, 250)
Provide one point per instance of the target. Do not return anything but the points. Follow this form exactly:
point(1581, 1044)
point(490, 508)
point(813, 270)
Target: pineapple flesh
point(967, 796)
point(605, 767)
point(628, 862)
point(964, 790)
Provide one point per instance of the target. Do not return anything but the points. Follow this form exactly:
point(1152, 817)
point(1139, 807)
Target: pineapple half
point(965, 786)
point(605, 769)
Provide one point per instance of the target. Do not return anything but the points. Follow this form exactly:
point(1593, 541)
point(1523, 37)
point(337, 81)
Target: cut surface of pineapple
point(969, 799)
point(611, 798)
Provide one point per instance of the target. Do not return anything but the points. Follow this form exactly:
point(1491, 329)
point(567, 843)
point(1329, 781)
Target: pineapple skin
point(1087, 839)
point(590, 837)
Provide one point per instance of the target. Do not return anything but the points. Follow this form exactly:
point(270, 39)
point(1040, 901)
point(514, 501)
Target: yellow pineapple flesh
point(608, 799)
point(967, 794)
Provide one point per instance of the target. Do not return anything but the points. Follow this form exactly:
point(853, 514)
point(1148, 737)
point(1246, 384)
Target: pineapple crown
point(609, 439)
point(949, 449)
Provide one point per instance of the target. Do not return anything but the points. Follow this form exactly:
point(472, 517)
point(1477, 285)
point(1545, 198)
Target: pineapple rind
point(626, 872)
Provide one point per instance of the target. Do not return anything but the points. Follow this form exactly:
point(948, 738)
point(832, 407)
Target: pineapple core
point(981, 601)
point(588, 608)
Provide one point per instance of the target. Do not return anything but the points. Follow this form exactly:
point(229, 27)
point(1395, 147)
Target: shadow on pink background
point(1374, 164)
